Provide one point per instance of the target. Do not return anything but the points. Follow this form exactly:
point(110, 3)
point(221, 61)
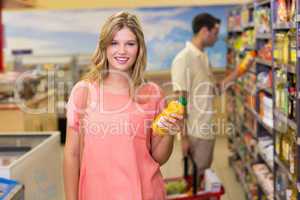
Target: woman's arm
point(161, 148)
point(71, 164)
point(76, 108)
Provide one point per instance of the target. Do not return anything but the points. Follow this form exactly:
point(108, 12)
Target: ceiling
point(76, 4)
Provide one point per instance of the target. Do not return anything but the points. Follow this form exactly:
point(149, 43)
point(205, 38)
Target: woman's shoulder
point(83, 86)
point(80, 91)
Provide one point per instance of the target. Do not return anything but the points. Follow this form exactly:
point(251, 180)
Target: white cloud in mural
point(163, 51)
point(90, 21)
point(165, 27)
point(63, 21)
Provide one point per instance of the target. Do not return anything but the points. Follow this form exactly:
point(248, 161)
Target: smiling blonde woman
point(111, 152)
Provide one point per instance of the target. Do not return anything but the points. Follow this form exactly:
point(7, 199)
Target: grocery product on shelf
point(281, 184)
point(281, 91)
point(265, 52)
point(248, 39)
point(288, 153)
point(246, 62)
point(246, 16)
point(291, 193)
point(266, 109)
point(286, 11)
point(234, 21)
point(278, 47)
point(285, 51)
point(292, 97)
point(265, 148)
point(292, 46)
point(282, 11)
point(262, 20)
point(265, 179)
point(264, 80)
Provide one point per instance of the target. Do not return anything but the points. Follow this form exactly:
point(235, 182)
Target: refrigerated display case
point(34, 159)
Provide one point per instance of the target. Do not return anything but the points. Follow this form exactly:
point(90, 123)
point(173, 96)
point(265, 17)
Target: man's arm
point(226, 82)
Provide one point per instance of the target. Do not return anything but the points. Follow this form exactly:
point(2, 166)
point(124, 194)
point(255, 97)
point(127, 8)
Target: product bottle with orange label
point(243, 66)
point(174, 107)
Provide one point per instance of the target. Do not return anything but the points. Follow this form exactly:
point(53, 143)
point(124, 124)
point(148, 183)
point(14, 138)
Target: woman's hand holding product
point(170, 120)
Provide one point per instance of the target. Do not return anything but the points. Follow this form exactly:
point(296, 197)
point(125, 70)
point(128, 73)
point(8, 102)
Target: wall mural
point(55, 32)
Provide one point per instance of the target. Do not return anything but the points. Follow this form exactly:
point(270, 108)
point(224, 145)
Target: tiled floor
point(233, 190)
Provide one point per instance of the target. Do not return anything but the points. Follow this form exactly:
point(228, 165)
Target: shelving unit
point(265, 101)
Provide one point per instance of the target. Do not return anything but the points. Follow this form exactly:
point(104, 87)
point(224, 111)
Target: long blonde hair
point(100, 67)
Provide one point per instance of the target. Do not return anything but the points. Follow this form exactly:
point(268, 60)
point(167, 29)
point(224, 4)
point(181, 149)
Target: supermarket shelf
point(248, 26)
point(250, 170)
point(287, 67)
point(249, 90)
point(250, 131)
point(252, 70)
point(248, 149)
point(263, 62)
point(242, 181)
point(251, 110)
point(284, 168)
point(298, 18)
point(265, 89)
point(281, 116)
point(239, 130)
point(263, 36)
point(236, 51)
point(239, 97)
point(263, 189)
point(263, 2)
point(258, 118)
point(261, 185)
point(250, 5)
point(240, 154)
point(271, 168)
point(284, 26)
point(250, 152)
point(249, 48)
point(236, 30)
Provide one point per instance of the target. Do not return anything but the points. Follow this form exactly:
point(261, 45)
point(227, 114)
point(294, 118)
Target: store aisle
point(233, 189)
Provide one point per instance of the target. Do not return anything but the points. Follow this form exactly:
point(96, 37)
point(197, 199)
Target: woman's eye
point(114, 43)
point(131, 44)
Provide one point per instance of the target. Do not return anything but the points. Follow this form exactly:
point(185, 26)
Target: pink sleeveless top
point(117, 162)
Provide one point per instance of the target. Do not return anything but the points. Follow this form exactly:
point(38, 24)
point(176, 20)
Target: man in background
point(193, 78)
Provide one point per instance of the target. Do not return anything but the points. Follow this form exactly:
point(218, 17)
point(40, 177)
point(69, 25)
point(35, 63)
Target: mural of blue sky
point(76, 32)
